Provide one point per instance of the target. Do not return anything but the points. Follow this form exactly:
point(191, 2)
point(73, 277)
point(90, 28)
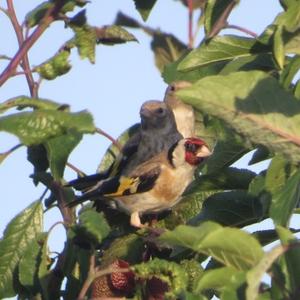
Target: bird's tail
point(86, 182)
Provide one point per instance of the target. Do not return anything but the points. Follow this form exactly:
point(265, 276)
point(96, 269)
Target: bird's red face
point(195, 151)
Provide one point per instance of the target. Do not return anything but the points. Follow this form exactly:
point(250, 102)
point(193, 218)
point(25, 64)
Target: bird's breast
point(165, 194)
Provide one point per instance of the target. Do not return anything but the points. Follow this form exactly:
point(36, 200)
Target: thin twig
point(74, 168)
point(115, 142)
point(4, 11)
point(221, 23)
point(190, 24)
point(95, 273)
point(24, 62)
point(89, 280)
point(66, 211)
point(10, 151)
point(49, 17)
point(242, 29)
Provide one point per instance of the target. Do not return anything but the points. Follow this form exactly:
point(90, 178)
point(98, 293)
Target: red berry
point(122, 281)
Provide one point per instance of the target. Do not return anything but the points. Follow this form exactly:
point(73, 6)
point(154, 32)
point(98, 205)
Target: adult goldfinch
point(184, 113)
point(153, 186)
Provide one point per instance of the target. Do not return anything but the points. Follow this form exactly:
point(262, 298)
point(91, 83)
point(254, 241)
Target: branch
point(28, 43)
point(115, 142)
point(190, 24)
point(74, 168)
point(242, 29)
point(67, 212)
point(3, 155)
point(89, 280)
point(95, 272)
point(221, 23)
point(25, 61)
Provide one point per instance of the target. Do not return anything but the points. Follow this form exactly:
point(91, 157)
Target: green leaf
point(276, 174)
point(59, 149)
point(291, 257)
point(297, 90)
point(262, 61)
point(36, 127)
point(222, 48)
point(289, 72)
point(127, 21)
point(37, 155)
point(231, 208)
point(261, 153)
point(144, 7)
point(228, 146)
point(230, 246)
point(216, 279)
point(186, 209)
point(194, 272)
point(291, 42)
point(254, 276)
point(226, 179)
point(18, 235)
point(287, 3)
point(129, 247)
point(171, 73)
point(251, 103)
point(55, 66)
point(167, 49)
point(92, 227)
point(24, 101)
point(70, 5)
point(85, 40)
point(35, 16)
point(110, 35)
point(278, 47)
point(29, 264)
point(44, 273)
point(213, 11)
point(169, 272)
point(285, 201)
point(290, 19)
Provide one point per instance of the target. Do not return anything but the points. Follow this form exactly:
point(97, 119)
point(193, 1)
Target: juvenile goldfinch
point(155, 185)
point(158, 132)
point(184, 113)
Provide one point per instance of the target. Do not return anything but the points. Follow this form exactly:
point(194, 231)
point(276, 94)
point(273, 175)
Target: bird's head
point(196, 150)
point(190, 150)
point(156, 115)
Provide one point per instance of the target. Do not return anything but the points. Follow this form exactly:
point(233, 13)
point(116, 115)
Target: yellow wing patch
point(127, 185)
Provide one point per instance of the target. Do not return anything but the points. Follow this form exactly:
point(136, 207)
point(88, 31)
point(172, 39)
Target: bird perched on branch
point(157, 132)
point(153, 186)
point(183, 113)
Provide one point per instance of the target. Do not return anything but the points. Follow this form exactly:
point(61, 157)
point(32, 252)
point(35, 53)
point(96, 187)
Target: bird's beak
point(145, 112)
point(204, 152)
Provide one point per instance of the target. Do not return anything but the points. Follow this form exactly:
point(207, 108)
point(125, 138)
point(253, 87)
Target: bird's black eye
point(160, 111)
point(172, 88)
point(191, 147)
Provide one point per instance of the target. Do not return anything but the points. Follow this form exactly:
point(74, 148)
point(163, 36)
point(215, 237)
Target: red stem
point(25, 61)
point(242, 29)
point(27, 44)
point(190, 24)
point(115, 142)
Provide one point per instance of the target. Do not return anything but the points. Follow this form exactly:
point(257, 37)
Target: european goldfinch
point(153, 186)
point(157, 132)
point(184, 113)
